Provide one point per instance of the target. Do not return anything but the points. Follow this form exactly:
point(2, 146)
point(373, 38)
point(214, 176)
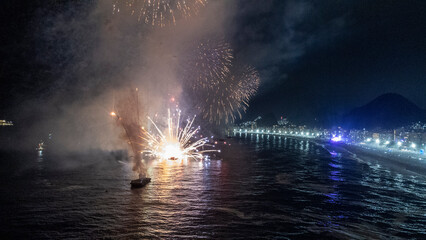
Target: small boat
point(139, 183)
point(40, 146)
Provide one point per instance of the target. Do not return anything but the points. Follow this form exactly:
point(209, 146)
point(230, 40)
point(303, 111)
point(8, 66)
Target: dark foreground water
point(263, 188)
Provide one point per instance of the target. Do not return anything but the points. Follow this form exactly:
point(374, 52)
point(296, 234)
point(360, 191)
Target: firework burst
point(226, 101)
point(208, 65)
point(159, 12)
point(175, 142)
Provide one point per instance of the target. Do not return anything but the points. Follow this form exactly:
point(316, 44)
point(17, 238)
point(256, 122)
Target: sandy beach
point(393, 160)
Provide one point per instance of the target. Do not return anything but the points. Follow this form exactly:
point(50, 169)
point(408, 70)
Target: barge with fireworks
point(139, 183)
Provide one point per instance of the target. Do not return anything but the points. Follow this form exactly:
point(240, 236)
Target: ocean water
point(259, 188)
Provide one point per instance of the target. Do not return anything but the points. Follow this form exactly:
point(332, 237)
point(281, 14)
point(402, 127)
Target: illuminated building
point(6, 123)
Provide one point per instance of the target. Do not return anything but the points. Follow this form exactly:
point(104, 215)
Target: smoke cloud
point(90, 56)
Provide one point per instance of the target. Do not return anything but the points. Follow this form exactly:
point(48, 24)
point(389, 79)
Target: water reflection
point(178, 194)
point(263, 188)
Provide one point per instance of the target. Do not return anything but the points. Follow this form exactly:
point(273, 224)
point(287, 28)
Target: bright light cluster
point(174, 142)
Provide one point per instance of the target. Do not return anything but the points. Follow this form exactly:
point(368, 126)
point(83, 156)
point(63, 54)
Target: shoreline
point(377, 156)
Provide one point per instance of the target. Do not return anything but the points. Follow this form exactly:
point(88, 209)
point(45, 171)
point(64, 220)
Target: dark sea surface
point(262, 188)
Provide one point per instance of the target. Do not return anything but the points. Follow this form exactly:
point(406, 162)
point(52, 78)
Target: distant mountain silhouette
point(387, 111)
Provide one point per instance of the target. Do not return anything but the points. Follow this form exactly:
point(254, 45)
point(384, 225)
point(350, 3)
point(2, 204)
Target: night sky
point(317, 59)
point(126, 129)
point(320, 59)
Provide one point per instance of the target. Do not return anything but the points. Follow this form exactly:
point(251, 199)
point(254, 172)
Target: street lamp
point(413, 145)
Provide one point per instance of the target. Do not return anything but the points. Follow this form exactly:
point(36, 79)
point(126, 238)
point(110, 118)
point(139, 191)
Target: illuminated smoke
point(127, 114)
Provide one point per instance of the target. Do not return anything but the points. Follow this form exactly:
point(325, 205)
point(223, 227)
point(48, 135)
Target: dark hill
point(387, 111)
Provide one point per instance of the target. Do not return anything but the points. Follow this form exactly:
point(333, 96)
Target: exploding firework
point(208, 65)
point(229, 99)
point(159, 12)
point(175, 142)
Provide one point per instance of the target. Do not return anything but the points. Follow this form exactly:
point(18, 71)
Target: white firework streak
point(175, 143)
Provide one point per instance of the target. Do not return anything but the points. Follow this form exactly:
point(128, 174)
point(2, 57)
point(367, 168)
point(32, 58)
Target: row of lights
point(413, 145)
point(275, 132)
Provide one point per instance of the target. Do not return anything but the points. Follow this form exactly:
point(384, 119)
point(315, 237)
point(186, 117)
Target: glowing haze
point(96, 54)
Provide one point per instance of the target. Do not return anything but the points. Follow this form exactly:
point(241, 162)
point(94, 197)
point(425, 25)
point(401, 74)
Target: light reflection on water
point(264, 187)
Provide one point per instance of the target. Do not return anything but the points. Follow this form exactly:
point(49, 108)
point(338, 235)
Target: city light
point(336, 138)
point(6, 123)
point(382, 140)
point(341, 136)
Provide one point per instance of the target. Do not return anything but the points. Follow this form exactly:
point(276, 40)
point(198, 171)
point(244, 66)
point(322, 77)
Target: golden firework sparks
point(158, 12)
point(227, 100)
point(175, 142)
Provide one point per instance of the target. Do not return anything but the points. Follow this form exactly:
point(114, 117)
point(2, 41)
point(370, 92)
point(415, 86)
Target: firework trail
point(207, 65)
point(227, 100)
point(159, 12)
point(175, 142)
point(127, 116)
